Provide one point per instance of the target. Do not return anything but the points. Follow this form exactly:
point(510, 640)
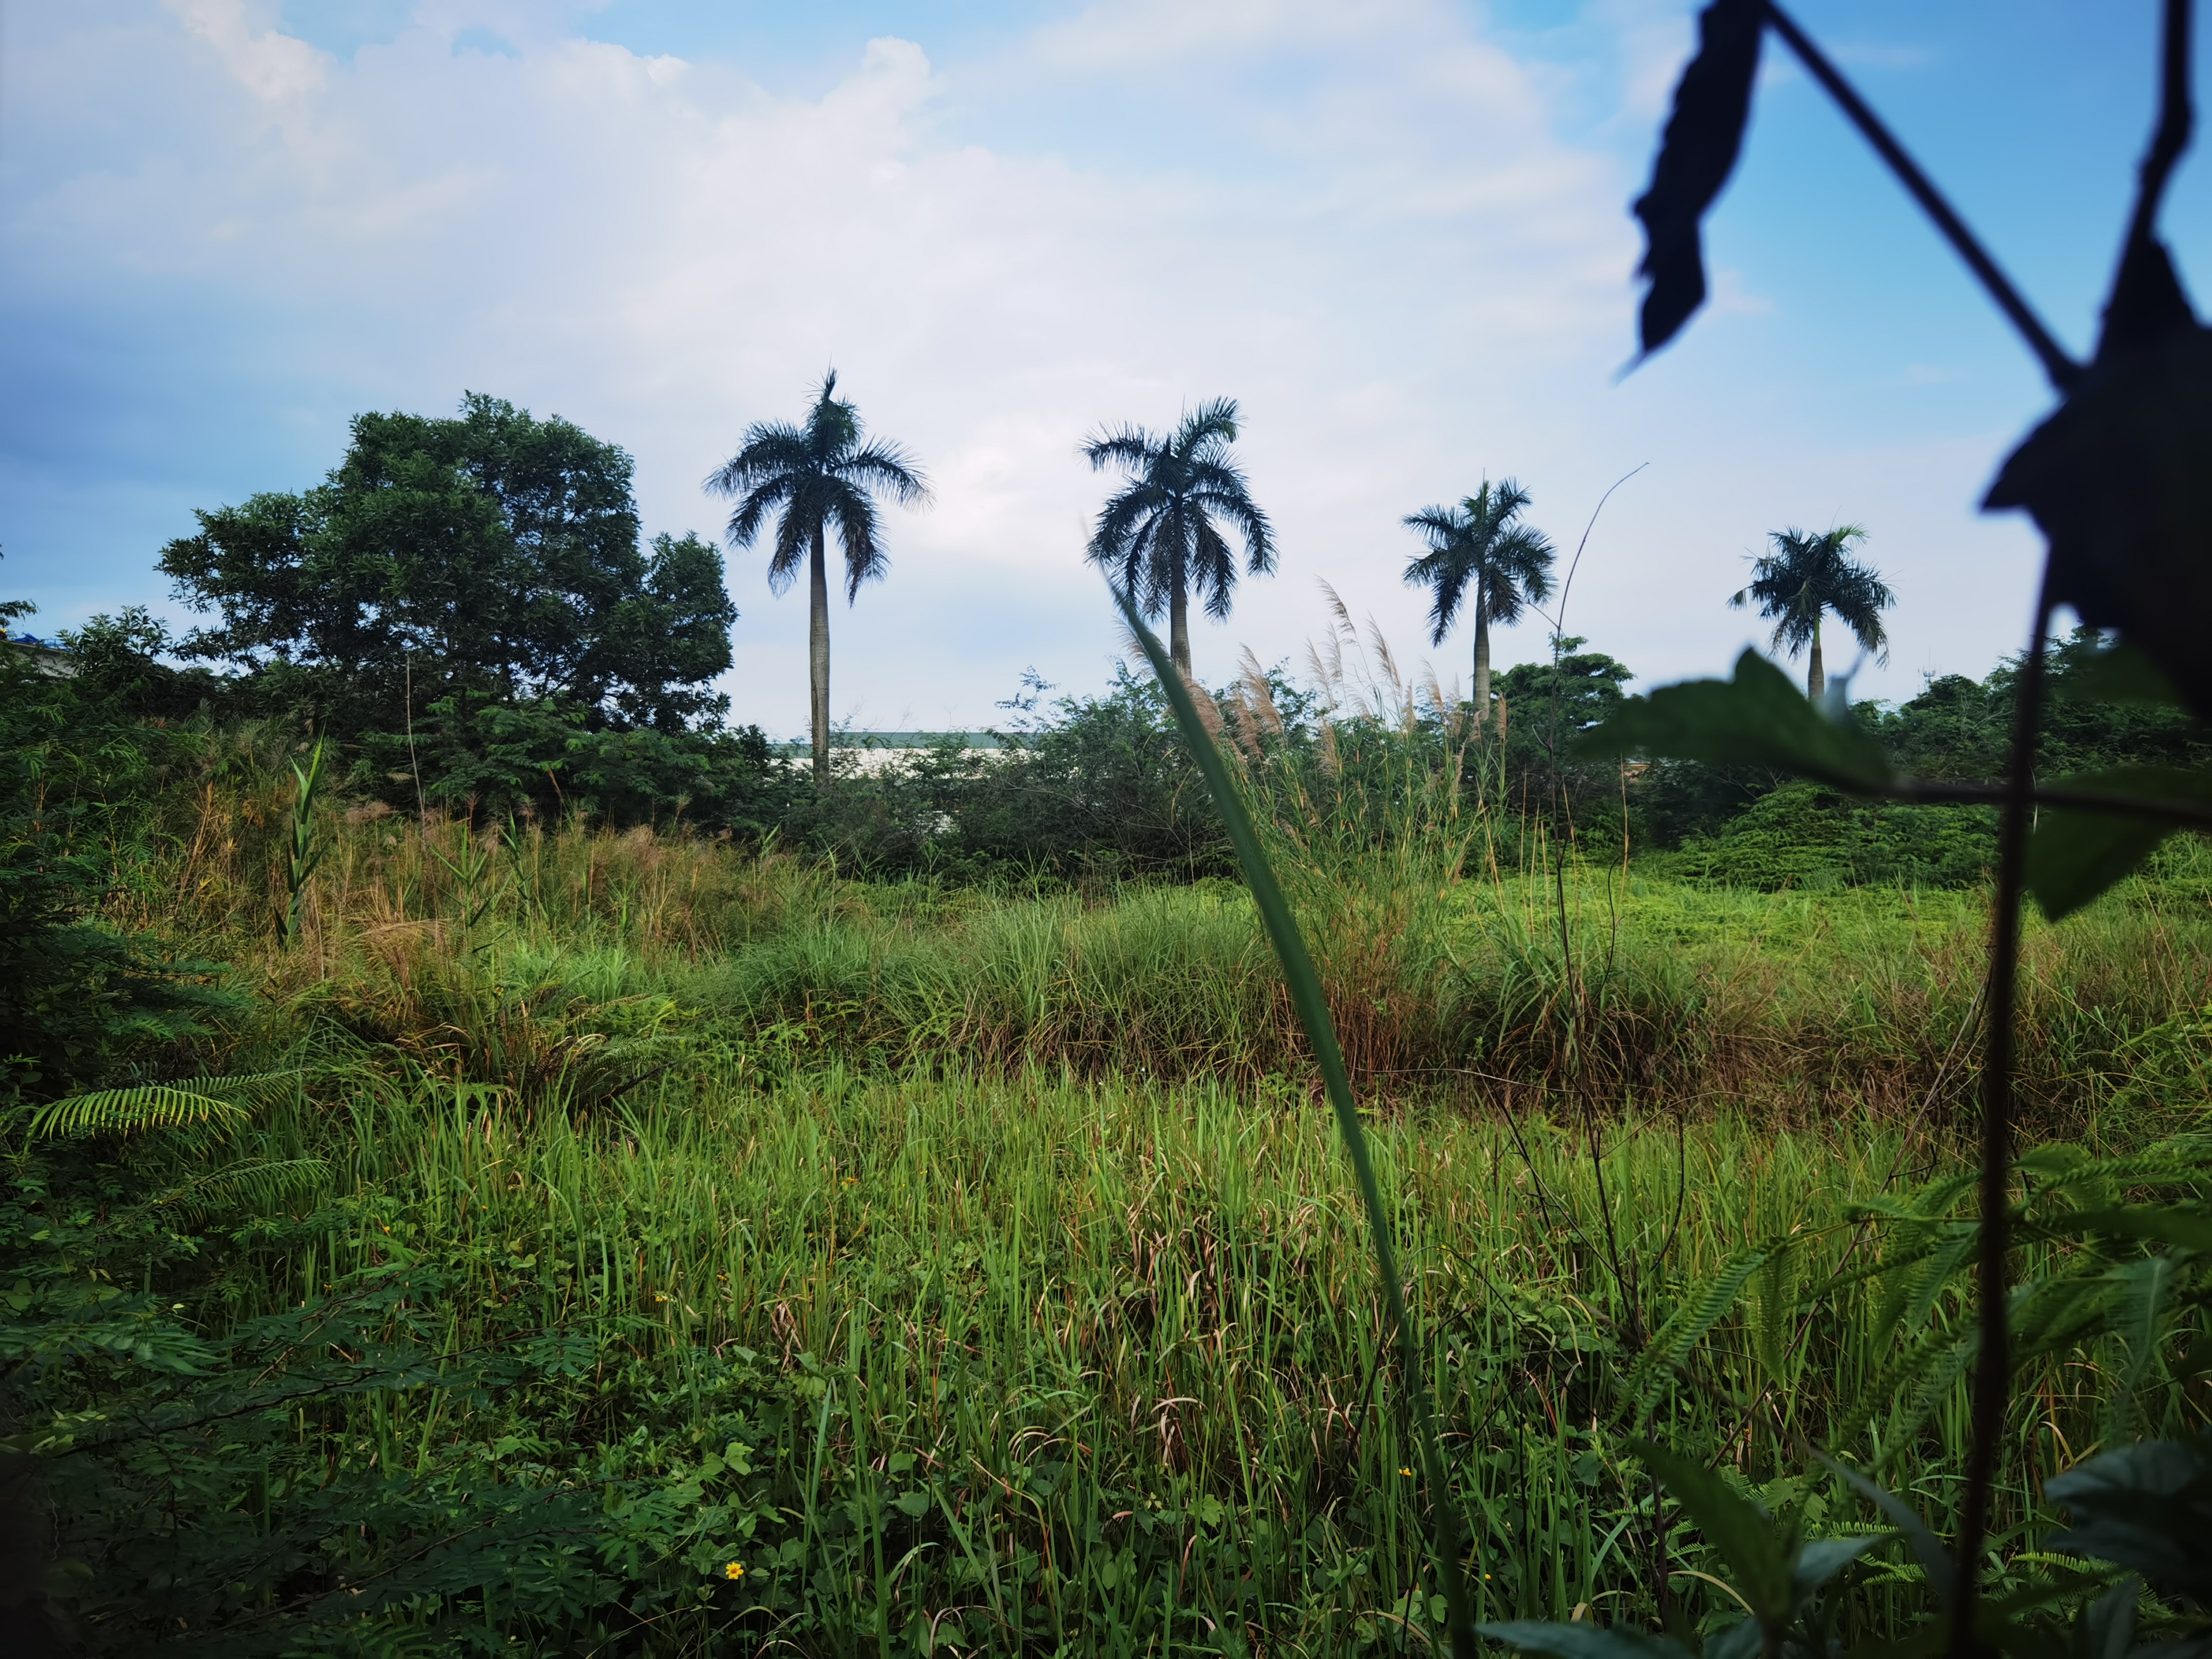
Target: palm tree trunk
point(1481, 664)
point(1179, 626)
point(1816, 678)
point(818, 655)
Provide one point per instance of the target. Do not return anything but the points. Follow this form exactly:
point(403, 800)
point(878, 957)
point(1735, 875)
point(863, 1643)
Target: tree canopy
point(1807, 576)
point(492, 556)
point(822, 473)
point(1155, 537)
point(1480, 542)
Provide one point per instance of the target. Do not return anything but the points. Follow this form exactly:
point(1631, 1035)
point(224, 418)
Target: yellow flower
point(852, 1181)
point(734, 1571)
point(1408, 1473)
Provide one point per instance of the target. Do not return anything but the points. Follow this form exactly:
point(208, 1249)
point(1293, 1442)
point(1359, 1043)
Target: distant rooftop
point(907, 742)
point(50, 658)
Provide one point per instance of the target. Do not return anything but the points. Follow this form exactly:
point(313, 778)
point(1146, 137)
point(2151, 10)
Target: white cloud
point(273, 67)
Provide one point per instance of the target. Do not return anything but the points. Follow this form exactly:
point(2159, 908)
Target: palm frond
point(1213, 569)
point(1519, 573)
point(771, 450)
point(803, 520)
point(1209, 426)
point(854, 515)
point(1130, 447)
point(1221, 487)
point(886, 467)
point(745, 524)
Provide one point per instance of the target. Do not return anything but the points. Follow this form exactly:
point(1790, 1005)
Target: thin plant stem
point(2063, 370)
point(2177, 118)
point(1992, 1387)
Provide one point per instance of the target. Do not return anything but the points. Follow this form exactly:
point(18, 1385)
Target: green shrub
point(1806, 836)
point(78, 996)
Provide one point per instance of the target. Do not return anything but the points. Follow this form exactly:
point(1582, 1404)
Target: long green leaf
point(1757, 719)
point(1934, 1562)
point(1732, 1524)
point(2075, 854)
point(1306, 995)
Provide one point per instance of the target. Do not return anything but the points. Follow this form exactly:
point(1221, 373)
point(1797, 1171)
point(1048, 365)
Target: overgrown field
point(550, 962)
point(641, 1245)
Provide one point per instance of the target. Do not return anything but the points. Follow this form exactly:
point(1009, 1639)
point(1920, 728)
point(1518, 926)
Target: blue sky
point(1397, 231)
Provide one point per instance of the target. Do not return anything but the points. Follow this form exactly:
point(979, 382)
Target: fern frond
point(2143, 1289)
point(1936, 1380)
point(1947, 1263)
point(261, 1088)
point(260, 1185)
point(130, 1111)
point(1843, 1279)
point(1888, 1384)
point(2160, 1165)
point(1691, 1321)
point(201, 1100)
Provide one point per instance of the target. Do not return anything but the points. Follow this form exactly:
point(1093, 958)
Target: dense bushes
point(77, 780)
point(1806, 836)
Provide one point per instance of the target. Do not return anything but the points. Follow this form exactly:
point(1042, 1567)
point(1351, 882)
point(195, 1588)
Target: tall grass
point(975, 1269)
point(1044, 1363)
point(1443, 963)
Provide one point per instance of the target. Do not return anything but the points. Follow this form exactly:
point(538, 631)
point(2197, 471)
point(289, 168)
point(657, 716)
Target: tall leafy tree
point(1157, 535)
point(1481, 545)
point(490, 558)
point(822, 472)
point(1803, 579)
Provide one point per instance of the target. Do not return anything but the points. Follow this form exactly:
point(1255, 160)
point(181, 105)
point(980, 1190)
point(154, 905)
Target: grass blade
point(1321, 1031)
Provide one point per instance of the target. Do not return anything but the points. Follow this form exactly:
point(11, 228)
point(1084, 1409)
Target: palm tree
point(1478, 542)
point(1806, 577)
point(1156, 538)
point(817, 473)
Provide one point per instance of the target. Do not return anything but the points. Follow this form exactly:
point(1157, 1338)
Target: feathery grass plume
point(1258, 696)
point(1208, 711)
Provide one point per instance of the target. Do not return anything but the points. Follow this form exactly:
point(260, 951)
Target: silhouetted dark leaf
point(2124, 674)
point(2108, 1623)
point(2075, 854)
point(1711, 102)
point(2147, 1507)
point(1583, 1641)
point(2120, 482)
point(1759, 718)
point(1820, 1559)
